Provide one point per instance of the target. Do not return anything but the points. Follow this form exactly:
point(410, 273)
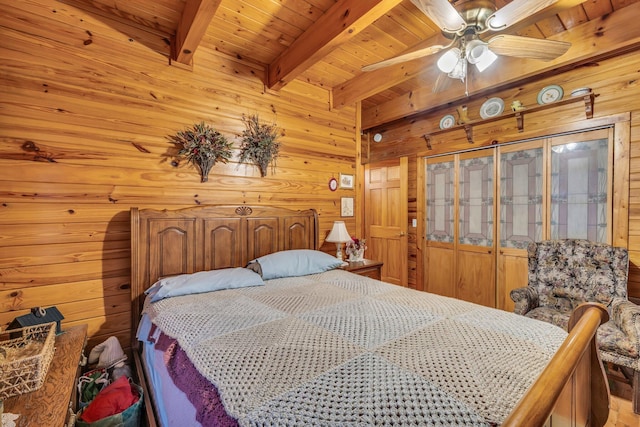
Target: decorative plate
point(581, 91)
point(333, 184)
point(447, 121)
point(550, 94)
point(492, 107)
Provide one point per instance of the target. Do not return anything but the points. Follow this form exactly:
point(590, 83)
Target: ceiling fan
point(467, 22)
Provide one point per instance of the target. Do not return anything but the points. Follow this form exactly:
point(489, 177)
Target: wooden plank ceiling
point(327, 42)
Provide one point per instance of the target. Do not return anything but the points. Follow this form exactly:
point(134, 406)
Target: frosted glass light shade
point(486, 60)
point(478, 53)
point(448, 61)
point(475, 50)
point(460, 70)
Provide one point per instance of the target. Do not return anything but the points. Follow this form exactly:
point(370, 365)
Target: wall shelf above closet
point(587, 99)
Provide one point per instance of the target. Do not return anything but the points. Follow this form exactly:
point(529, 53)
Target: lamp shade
point(448, 61)
point(339, 233)
point(485, 60)
point(475, 50)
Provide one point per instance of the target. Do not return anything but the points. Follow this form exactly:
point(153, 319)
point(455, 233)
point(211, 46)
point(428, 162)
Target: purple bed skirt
point(200, 392)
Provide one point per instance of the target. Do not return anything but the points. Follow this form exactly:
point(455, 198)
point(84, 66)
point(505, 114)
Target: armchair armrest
point(526, 299)
point(626, 316)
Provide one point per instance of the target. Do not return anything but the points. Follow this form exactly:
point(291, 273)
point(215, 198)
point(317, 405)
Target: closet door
point(580, 186)
point(440, 245)
point(556, 188)
point(475, 256)
point(521, 212)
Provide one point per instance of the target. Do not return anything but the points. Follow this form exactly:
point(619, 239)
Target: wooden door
point(475, 254)
point(522, 217)
point(386, 207)
point(440, 260)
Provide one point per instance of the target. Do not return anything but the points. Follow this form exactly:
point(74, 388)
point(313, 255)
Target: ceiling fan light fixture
point(475, 51)
point(486, 60)
point(479, 54)
point(447, 62)
point(460, 70)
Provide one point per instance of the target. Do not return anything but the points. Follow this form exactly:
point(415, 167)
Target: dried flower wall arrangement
point(202, 146)
point(259, 143)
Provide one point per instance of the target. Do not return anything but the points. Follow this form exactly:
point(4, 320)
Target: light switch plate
point(414, 222)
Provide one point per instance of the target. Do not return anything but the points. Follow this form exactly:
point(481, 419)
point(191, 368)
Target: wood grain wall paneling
point(86, 108)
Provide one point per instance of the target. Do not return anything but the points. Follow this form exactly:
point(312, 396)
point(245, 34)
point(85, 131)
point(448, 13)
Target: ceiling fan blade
point(442, 13)
point(516, 11)
point(404, 58)
point(527, 47)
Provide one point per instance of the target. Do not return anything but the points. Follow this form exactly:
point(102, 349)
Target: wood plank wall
point(615, 81)
point(85, 112)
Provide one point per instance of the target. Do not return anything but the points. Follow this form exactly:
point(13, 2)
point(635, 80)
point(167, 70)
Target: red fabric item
point(113, 399)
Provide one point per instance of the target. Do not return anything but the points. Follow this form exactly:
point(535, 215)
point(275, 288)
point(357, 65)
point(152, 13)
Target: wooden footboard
point(572, 390)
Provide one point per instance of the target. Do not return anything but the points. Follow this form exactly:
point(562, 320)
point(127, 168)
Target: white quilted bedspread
point(337, 349)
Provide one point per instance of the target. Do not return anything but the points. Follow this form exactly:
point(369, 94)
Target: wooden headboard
point(166, 243)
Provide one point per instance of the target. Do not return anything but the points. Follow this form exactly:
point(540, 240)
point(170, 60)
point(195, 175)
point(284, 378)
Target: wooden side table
point(366, 267)
point(49, 405)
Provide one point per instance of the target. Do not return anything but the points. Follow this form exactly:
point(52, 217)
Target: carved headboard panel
point(165, 242)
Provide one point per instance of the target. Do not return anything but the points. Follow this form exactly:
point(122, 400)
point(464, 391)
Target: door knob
point(402, 233)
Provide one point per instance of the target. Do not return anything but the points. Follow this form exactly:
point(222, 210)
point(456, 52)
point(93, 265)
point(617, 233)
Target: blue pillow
point(296, 262)
point(203, 281)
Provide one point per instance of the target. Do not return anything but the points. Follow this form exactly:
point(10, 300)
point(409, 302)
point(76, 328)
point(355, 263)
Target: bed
point(328, 347)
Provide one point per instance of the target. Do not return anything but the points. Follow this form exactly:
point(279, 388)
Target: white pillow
point(203, 281)
point(296, 262)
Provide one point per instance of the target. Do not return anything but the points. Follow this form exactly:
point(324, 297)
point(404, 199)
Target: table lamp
point(338, 235)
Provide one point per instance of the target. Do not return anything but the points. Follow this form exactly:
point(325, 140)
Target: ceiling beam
point(370, 83)
point(592, 41)
point(196, 17)
point(336, 26)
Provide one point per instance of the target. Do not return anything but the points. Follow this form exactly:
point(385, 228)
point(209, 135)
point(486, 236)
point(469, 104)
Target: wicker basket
point(25, 355)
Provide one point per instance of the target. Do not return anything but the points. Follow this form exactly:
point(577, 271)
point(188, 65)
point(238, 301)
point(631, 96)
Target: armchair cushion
point(600, 285)
point(611, 339)
point(586, 283)
point(550, 315)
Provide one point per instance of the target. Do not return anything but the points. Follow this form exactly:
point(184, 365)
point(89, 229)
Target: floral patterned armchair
point(565, 273)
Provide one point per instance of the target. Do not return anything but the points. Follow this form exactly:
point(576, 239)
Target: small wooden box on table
point(49, 405)
point(366, 267)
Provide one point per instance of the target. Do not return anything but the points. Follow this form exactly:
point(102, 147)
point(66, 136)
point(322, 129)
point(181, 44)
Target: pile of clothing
point(107, 394)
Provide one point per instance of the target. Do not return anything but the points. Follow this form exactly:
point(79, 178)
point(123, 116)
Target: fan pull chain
point(466, 85)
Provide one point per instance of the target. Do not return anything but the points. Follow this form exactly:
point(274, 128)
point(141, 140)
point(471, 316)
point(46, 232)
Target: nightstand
point(366, 267)
point(49, 405)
